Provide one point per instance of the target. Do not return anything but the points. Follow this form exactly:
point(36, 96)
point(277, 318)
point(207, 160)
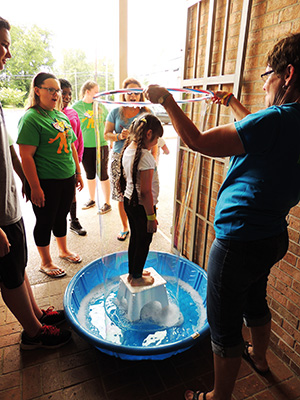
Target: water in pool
point(105, 317)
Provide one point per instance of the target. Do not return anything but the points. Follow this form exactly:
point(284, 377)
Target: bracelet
point(151, 217)
point(118, 135)
point(78, 173)
point(226, 99)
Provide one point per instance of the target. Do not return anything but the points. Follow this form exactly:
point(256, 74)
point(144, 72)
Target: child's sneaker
point(89, 204)
point(104, 209)
point(52, 317)
point(49, 337)
point(76, 227)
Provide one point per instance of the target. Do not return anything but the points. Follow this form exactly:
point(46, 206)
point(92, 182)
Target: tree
point(31, 54)
point(76, 69)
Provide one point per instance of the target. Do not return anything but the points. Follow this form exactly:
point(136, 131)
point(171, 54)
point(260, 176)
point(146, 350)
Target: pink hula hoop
point(206, 94)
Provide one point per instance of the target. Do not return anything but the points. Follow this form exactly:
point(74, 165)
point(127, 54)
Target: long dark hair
point(138, 129)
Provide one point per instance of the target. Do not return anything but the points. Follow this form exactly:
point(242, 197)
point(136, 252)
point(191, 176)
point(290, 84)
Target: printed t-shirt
point(264, 183)
point(87, 119)
point(52, 135)
point(146, 162)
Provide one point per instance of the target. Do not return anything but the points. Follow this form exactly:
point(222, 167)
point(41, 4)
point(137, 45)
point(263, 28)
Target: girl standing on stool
point(140, 185)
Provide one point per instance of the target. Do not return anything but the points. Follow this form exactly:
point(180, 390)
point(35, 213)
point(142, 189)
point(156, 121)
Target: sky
point(155, 27)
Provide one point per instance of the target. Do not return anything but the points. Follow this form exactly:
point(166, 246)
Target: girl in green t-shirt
point(85, 112)
point(51, 167)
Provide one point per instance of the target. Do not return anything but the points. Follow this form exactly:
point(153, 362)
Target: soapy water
point(103, 315)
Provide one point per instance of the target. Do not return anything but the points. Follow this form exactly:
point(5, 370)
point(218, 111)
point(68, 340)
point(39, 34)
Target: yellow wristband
point(151, 217)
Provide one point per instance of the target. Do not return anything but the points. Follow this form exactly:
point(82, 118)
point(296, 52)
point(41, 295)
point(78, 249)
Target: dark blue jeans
point(236, 291)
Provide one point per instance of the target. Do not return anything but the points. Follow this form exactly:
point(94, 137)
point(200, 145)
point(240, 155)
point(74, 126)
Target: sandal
point(195, 395)
point(247, 357)
point(122, 235)
point(51, 272)
point(73, 258)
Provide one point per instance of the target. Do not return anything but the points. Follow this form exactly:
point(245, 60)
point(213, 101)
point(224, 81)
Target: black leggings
point(89, 161)
point(59, 195)
point(140, 239)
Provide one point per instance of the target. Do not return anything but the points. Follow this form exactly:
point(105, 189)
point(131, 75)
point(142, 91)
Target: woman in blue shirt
point(262, 184)
point(116, 130)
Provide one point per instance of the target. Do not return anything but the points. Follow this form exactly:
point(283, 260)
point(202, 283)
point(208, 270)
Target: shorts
point(236, 288)
point(89, 161)
point(12, 266)
point(115, 173)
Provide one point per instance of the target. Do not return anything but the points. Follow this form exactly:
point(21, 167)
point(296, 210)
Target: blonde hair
point(88, 85)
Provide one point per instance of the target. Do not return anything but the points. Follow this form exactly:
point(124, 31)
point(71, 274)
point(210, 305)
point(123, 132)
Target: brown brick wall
point(270, 21)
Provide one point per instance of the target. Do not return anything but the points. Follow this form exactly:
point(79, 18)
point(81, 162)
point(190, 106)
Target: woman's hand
point(79, 182)
point(152, 226)
point(38, 197)
point(219, 96)
point(124, 134)
point(154, 92)
point(4, 244)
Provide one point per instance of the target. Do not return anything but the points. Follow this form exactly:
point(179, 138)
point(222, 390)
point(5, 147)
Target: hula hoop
point(207, 94)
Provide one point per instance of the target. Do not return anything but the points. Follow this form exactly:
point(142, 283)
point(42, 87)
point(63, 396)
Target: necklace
point(57, 124)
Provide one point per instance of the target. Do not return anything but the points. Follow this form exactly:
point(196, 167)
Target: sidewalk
point(79, 371)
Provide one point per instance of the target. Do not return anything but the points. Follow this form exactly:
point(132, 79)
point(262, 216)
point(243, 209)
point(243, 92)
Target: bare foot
point(190, 395)
point(143, 281)
point(145, 273)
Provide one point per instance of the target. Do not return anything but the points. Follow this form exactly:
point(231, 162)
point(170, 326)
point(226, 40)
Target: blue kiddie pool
point(100, 316)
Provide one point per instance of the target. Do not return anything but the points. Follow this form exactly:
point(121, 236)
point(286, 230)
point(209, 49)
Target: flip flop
point(195, 394)
point(47, 271)
point(122, 236)
point(247, 357)
point(72, 259)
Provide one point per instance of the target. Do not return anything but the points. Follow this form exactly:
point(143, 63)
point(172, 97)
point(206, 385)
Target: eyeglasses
point(135, 93)
point(51, 90)
point(265, 75)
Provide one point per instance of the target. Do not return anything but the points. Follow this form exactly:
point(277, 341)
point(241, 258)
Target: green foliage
point(77, 70)
point(31, 53)
point(12, 97)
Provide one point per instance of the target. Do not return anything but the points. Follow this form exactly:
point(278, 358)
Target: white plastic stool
point(138, 296)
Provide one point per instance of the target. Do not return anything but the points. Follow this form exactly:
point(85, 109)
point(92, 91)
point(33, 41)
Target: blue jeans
point(236, 290)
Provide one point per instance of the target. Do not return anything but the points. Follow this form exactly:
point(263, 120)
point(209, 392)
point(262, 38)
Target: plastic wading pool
point(105, 325)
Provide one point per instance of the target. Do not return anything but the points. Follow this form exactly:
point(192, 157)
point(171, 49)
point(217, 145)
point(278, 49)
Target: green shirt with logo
point(88, 120)
point(52, 134)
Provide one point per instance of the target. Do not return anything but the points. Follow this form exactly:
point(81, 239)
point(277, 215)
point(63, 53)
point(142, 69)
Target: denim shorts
point(236, 290)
